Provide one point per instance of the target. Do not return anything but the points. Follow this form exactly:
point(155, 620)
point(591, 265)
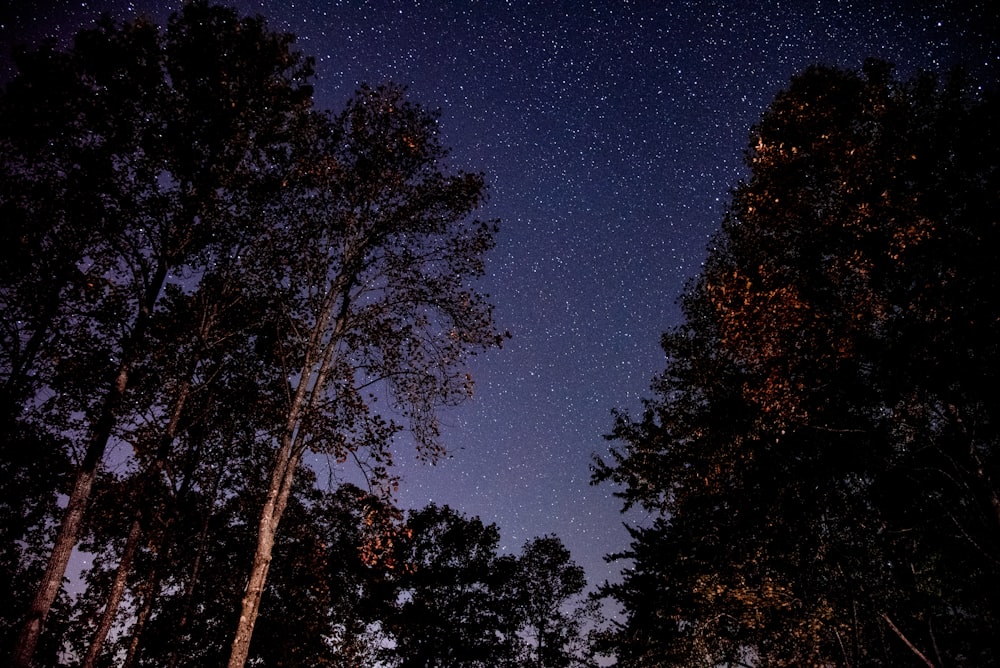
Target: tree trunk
point(906, 641)
point(192, 582)
point(279, 488)
point(282, 474)
point(148, 588)
point(320, 352)
point(69, 528)
point(135, 532)
point(115, 596)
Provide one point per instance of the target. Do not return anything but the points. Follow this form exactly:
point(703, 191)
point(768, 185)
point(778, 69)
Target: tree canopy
point(204, 278)
point(820, 454)
point(461, 603)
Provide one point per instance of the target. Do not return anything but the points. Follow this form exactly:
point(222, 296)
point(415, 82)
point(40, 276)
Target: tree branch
point(906, 641)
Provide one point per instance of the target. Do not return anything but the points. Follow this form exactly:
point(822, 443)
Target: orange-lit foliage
point(381, 532)
point(821, 451)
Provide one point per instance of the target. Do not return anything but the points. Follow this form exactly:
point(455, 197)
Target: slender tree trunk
point(69, 528)
point(331, 322)
point(135, 532)
point(148, 589)
point(115, 596)
point(280, 486)
point(310, 388)
point(159, 546)
point(192, 582)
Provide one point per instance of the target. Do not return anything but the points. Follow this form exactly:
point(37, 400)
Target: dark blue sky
point(610, 134)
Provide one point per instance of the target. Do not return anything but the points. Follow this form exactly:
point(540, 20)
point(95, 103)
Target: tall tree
point(331, 586)
point(207, 385)
point(822, 448)
point(377, 259)
point(48, 188)
point(131, 192)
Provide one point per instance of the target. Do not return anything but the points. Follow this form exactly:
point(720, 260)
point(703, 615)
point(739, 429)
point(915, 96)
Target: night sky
point(610, 134)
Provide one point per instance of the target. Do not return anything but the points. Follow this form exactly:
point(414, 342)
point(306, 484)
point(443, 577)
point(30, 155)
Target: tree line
point(204, 279)
point(820, 455)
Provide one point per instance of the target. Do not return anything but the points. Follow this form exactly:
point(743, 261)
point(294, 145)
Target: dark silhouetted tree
point(125, 163)
point(557, 619)
point(821, 450)
point(203, 271)
point(456, 603)
point(460, 603)
point(378, 313)
point(210, 405)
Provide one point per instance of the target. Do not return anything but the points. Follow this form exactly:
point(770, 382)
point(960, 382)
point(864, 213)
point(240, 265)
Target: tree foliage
point(373, 266)
point(127, 164)
point(452, 608)
point(461, 603)
point(557, 623)
point(204, 279)
point(821, 449)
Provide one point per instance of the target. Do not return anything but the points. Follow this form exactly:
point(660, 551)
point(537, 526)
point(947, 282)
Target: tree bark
point(115, 596)
point(135, 532)
point(69, 528)
point(906, 641)
point(51, 582)
point(282, 474)
point(311, 384)
point(148, 588)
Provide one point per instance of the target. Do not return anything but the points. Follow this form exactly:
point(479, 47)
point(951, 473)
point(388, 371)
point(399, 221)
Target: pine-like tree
point(822, 446)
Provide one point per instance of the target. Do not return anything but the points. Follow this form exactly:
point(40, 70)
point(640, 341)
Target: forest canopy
point(820, 453)
point(204, 280)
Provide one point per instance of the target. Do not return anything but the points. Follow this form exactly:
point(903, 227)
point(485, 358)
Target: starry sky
point(611, 134)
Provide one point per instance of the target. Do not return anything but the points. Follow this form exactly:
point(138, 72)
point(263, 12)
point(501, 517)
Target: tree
point(455, 604)
point(821, 449)
point(548, 587)
point(460, 603)
point(377, 256)
point(214, 363)
point(125, 162)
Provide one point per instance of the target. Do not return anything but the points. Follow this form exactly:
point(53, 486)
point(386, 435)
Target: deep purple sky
point(610, 133)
